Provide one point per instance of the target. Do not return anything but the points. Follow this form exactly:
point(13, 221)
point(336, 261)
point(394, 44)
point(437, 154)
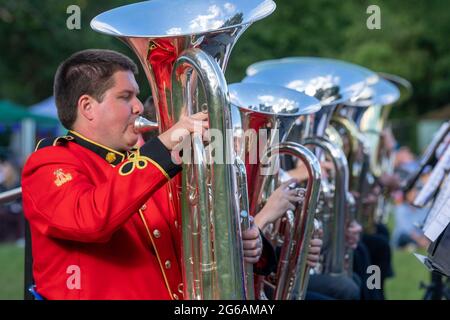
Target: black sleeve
point(155, 150)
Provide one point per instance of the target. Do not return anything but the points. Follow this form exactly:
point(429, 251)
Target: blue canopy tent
point(11, 113)
point(45, 108)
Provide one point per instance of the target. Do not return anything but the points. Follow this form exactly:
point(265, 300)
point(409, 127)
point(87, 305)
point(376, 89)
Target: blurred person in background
point(11, 226)
point(407, 231)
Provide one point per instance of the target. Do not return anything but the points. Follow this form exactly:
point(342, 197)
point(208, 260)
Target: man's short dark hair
point(86, 72)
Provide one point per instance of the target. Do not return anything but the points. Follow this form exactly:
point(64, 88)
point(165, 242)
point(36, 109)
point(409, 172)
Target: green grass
point(11, 271)
point(409, 272)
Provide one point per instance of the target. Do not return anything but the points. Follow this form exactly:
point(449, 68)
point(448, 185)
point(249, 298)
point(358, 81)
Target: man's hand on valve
point(252, 243)
point(315, 247)
point(173, 138)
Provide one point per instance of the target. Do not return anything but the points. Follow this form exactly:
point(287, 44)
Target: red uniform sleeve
point(65, 198)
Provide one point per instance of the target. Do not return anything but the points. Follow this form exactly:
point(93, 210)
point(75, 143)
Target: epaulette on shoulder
point(54, 141)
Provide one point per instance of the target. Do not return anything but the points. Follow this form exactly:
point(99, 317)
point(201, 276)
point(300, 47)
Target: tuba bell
point(184, 47)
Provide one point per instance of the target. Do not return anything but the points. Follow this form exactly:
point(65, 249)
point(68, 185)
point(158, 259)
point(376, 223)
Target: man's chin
point(133, 142)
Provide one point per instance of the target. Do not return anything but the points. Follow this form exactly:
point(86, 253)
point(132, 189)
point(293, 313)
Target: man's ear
point(86, 106)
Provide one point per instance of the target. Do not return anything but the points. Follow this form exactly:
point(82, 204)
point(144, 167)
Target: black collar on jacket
point(111, 156)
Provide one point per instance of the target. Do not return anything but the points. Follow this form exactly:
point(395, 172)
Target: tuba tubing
point(10, 195)
point(293, 271)
point(335, 257)
point(221, 271)
point(361, 179)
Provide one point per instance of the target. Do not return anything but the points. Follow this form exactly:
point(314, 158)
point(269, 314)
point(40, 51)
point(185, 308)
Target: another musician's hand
point(301, 173)
point(314, 252)
point(280, 201)
point(353, 234)
point(252, 243)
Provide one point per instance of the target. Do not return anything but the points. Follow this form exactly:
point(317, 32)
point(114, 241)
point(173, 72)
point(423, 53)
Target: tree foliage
point(412, 42)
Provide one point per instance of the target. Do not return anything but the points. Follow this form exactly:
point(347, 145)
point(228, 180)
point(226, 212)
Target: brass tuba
point(184, 48)
point(381, 98)
point(263, 116)
point(361, 122)
point(332, 82)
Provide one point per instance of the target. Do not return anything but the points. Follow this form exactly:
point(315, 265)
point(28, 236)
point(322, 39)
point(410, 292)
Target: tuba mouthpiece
point(143, 125)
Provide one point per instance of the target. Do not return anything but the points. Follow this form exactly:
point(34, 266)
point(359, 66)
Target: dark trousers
point(374, 249)
point(337, 287)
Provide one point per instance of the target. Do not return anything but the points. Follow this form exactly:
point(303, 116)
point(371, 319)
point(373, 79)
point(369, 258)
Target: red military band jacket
point(102, 225)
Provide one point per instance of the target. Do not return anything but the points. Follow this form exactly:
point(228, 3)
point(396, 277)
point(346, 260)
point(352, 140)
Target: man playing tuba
point(101, 222)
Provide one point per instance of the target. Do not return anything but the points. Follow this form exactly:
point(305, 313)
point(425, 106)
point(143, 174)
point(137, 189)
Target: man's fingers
point(314, 250)
point(251, 244)
point(198, 126)
point(294, 198)
point(251, 260)
point(196, 122)
point(285, 184)
point(200, 116)
point(207, 135)
point(316, 242)
point(290, 206)
point(250, 234)
point(328, 165)
point(313, 258)
point(255, 253)
point(291, 192)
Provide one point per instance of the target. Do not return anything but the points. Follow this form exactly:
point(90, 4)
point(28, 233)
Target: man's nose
point(138, 107)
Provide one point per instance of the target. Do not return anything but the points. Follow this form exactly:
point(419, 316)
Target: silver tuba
point(184, 48)
point(362, 145)
point(263, 116)
point(332, 82)
point(382, 97)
